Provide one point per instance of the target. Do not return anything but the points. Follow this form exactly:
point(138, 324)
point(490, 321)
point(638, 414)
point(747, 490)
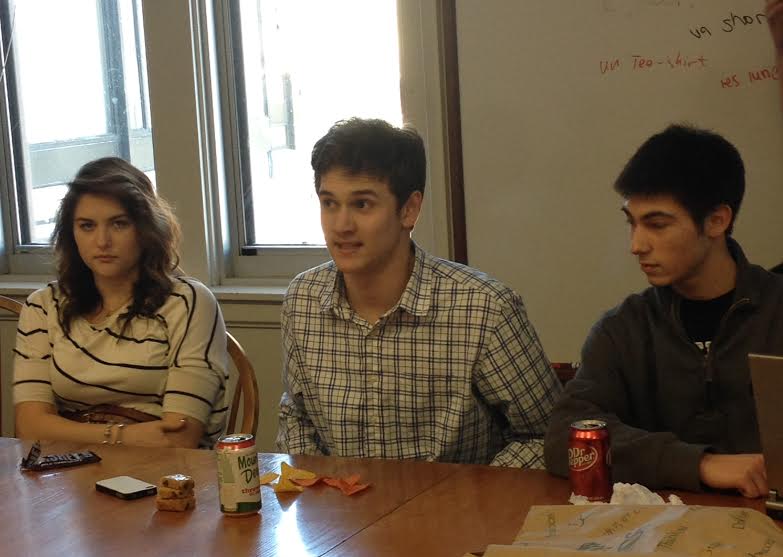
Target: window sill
point(239, 293)
point(23, 286)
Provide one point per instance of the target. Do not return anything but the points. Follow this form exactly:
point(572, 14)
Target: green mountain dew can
point(237, 464)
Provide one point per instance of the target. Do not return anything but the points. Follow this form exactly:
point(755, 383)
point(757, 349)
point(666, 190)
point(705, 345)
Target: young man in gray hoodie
point(667, 369)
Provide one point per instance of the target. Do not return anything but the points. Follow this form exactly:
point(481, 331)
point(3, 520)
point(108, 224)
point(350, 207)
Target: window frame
point(421, 92)
point(195, 169)
point(20, 255)
point(270, 262)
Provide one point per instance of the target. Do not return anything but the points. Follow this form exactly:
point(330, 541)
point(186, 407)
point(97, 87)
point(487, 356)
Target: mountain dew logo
point(248, 467)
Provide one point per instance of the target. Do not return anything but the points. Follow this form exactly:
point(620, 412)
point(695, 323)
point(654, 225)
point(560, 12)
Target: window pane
point(307, 64)
point(135, 63)
point(59, 96)
point(76, 92)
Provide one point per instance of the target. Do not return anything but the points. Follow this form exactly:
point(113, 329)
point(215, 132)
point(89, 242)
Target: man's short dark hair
point(377, 149)
point(698, 168)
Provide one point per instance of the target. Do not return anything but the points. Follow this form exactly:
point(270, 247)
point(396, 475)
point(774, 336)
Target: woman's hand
point(172, 430)
point(39, 420)
point(151, 434)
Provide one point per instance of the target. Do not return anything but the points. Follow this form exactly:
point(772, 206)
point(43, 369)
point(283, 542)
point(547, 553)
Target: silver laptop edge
point(767, 376)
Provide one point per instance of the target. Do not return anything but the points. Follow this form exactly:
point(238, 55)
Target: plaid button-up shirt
point(453, 372)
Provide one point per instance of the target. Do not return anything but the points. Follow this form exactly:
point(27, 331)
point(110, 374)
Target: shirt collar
point(416, 298)
point(333, 291)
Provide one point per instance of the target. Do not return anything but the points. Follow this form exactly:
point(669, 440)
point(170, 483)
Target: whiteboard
point(556, 95)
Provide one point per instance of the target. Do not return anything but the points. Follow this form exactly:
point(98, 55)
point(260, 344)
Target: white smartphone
point(125, 487)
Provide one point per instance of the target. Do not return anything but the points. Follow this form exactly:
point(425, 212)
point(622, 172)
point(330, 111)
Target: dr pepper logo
point(580, 458)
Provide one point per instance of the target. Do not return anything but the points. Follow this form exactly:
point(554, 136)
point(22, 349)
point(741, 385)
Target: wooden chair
point(565, 370)
point(10, 305)
point(246, 390)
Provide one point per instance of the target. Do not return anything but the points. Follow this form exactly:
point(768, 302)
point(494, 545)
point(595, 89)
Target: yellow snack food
point(288, 471)
point(176, 505)
point(267, 478)
point(176, 481)
point(169, 493)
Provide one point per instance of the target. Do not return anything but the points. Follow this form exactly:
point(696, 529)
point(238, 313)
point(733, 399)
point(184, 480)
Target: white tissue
point(628, 494)
point(582, 500)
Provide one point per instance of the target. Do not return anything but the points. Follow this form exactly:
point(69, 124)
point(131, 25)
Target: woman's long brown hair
point(158, 236)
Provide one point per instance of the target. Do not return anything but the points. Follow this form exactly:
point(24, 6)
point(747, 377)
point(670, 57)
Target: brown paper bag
point(640, 530)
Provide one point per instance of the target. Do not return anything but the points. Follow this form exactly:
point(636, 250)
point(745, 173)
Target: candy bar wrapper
point(638, 530)
point(35, 462)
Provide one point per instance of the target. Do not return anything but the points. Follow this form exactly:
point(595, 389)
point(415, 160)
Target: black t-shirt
point(702, 317)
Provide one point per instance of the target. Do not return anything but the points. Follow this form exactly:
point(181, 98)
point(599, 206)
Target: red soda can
point(589, 460)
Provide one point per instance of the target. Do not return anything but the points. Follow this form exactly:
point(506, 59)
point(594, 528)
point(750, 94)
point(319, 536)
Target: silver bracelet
point(118, 439)
point(107, 434)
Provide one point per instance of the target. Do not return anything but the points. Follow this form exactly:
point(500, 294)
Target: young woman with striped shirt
point(121, 348)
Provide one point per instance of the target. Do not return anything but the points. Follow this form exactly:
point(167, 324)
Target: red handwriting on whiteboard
point(609, 65)
point(637, 62)
point(758, 75)
point(672, 62)
point(763, 74)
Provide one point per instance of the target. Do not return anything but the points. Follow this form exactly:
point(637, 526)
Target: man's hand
point(774, 11)
point(745, 472)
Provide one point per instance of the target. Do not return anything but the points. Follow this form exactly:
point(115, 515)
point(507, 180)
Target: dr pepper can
point(589, 460)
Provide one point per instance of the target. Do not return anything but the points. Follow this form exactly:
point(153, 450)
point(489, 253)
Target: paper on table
point(637, 530)
point(628, 494)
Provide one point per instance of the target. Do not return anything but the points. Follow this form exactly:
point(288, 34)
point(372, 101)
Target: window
point(74, 90)
point(298, 66)
point(235, 102)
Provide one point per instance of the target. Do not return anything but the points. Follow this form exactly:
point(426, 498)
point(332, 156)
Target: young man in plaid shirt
point(390, 352)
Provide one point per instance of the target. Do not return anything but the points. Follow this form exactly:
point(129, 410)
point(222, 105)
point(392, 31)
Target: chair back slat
point(565, 370)
point(246, 390)
point(15, 307)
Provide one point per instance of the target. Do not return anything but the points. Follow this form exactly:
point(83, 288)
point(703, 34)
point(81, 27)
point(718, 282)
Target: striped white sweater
point(176, 362)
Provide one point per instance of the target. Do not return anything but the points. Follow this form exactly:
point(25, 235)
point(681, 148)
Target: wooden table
point(477, 506)
point(413, 508)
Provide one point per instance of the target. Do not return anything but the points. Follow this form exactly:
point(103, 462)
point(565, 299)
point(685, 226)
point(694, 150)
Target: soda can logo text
point(580, 459)
point(248, 467)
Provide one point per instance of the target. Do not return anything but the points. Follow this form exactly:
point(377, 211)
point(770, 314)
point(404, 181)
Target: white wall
point(546, 132)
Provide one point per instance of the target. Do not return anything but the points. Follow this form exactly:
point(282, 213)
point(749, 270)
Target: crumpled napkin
point(628, 494)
